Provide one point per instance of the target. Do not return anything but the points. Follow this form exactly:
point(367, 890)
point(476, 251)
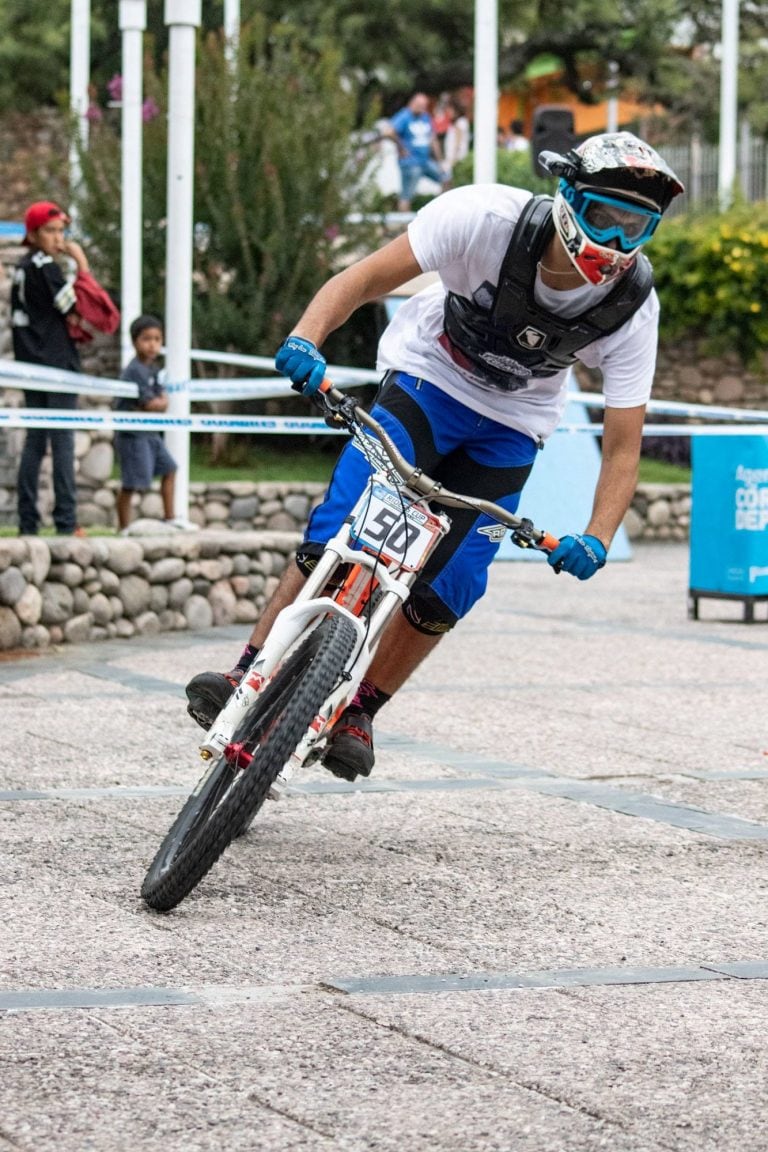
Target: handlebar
point(347, 411)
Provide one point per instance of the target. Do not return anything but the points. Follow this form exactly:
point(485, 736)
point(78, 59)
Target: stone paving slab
point(665, 1063)
point(568, 811)
point(359, 1085)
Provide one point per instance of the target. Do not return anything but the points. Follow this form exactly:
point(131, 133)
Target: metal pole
point(745, 160)
point(612, 84)
point(133, 21)
point(231, 28)
point(183, 19)
point(486, 70)
point(697, 165)
point(728, 113)
point(79, 77)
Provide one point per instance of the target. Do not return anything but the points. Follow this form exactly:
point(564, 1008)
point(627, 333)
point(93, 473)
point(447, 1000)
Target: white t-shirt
point(463, 235)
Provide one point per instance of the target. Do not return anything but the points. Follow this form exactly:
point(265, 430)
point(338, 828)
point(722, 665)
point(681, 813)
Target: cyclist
point(475, 380)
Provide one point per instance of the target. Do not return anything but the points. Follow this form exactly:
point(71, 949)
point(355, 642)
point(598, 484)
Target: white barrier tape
point(138, 422)
point(337, 372)
point(39, 378)
point(678, 408)
point(679, 429)
point(199, 390)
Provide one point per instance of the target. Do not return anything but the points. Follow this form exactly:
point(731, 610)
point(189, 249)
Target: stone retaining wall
point(69, 589)
point(658, 512)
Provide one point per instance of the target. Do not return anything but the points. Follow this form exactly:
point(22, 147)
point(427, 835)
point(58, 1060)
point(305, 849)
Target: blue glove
point(579, 555)
point(300, 360)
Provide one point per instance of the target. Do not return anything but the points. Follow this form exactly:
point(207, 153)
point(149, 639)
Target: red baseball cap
point(42, 212)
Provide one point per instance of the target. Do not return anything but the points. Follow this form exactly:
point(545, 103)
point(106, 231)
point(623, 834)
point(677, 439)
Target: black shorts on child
point(142, 455)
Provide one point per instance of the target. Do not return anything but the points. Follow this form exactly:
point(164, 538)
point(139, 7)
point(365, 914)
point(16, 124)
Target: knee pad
point(427, 613)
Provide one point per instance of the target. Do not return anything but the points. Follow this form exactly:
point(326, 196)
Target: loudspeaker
point(552, 131)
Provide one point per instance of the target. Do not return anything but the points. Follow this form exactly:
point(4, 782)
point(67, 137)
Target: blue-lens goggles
point(605, 218)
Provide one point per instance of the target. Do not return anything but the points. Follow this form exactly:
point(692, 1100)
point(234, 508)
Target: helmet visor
point(607, 218)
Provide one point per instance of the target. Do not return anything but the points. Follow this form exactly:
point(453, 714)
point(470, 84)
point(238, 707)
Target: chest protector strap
point(517, 338)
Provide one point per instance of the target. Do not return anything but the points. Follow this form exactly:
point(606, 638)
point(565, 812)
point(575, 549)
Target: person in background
point(476, 379)
point(43, 307)
point(456, 145)
point(441, 120)
point(516, 140)
point(143, 455)
point(418, 150)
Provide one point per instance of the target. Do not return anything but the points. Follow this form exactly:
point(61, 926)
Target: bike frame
point(408, 491)
point(312, 605)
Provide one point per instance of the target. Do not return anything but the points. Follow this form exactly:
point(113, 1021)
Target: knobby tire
point(227, 799)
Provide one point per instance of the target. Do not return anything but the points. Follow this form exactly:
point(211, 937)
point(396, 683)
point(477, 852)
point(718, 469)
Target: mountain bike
point(317, 651)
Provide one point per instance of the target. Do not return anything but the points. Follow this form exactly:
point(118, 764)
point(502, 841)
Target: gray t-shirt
point(147, 378)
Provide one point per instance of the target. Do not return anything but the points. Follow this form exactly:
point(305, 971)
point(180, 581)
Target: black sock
point(368, 699)
point(249, 654)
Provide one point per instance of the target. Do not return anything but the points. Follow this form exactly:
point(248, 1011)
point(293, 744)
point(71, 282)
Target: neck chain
point(554, 272)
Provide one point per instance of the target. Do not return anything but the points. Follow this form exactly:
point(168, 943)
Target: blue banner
point(729, 515)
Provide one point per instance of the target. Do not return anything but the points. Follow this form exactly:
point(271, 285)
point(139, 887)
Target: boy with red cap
point(42, 309)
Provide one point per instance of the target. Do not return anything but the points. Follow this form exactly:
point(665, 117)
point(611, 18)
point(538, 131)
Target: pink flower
point(93, 113)
point(115, 88)
point(149, 110)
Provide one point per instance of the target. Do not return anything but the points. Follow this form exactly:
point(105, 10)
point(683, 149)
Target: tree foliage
point(275, 177)
point(711, 274)
point(666, 50)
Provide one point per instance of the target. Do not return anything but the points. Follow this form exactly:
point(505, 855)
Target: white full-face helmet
point(612, 193)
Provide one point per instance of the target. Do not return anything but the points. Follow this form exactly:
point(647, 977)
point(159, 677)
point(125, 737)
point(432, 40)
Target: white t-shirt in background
point(463, 235)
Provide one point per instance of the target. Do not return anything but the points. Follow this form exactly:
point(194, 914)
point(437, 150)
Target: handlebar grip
point(548, 543)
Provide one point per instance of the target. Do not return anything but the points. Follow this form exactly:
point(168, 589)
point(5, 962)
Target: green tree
point(276, 175)
point(665, 49)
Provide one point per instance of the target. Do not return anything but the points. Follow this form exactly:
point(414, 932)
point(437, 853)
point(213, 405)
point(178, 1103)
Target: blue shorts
point(141, 456)
point(468, 453)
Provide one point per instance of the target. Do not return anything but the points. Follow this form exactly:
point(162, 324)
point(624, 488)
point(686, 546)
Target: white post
point(612, 84)
point(728, 114)
point(231, 28)
point(133, 21)
point(79, 77)
point(183, 19)
point(697, 167)
point(745, 158)
point(486, 70)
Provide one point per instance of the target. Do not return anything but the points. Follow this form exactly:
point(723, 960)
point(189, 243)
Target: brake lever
point(338, 415)
point(527, 536)
point(523, 534)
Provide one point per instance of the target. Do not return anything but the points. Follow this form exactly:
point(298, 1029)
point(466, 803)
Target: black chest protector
point(516, 338)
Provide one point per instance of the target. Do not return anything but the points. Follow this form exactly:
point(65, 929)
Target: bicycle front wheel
point(228, 796)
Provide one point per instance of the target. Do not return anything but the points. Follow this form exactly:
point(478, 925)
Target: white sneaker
point(181, 524)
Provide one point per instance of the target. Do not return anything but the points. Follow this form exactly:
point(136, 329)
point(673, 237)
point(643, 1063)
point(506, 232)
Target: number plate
point(385, 526)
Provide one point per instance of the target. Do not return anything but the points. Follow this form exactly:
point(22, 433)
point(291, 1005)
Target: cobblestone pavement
point(540, 926)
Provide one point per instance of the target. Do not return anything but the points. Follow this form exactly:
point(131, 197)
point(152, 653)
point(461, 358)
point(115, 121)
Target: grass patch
point(661, 472)
point(267, 460)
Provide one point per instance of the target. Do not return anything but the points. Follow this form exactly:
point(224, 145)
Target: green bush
point(513, 168)
point(711, 273)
